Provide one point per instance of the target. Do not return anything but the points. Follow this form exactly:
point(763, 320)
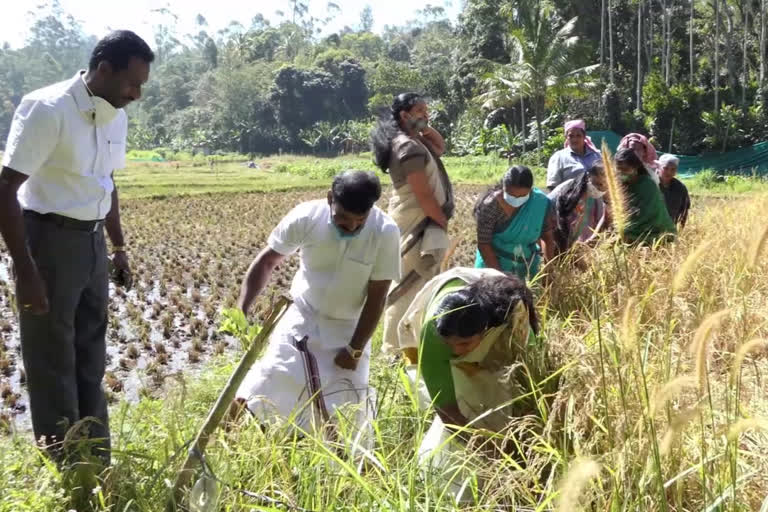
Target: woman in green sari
point(649, 219)
point(465, 329)
point(515, 224)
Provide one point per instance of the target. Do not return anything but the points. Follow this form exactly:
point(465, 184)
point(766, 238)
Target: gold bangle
point(118, 248)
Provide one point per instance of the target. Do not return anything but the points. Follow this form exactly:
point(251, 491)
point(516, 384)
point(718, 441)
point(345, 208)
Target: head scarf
point(581, 125)
point(650, 151)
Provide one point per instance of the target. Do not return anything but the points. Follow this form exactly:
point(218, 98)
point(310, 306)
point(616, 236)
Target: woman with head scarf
point(644, 151)
point(578, 155)
point(580, 212)
point(648, 217)
point(409, 150)
point(515, 223)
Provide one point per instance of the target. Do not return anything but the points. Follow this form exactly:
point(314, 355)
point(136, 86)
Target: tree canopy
point(503, 76)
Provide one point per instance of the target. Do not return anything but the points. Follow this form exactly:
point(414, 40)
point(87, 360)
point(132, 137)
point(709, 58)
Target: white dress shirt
point(334, 272)
point(69, 160)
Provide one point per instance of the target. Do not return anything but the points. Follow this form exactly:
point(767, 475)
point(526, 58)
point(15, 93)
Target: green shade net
point(744, 161)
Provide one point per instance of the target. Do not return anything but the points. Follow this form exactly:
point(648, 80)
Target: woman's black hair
point(596, 169)
point(568, 199)
point(628, 157)
point(388, 127)
point(484, 304)
point(516, 176)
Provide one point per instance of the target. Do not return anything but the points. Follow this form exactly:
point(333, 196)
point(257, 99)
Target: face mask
point(593, 192)
point(417, 124)
point(515, 202)
point(103, 111)
point(344, 235)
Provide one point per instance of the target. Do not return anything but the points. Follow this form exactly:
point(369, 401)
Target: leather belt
point(66, 222)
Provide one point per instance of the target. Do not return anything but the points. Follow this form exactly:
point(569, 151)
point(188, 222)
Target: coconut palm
point(541, 63)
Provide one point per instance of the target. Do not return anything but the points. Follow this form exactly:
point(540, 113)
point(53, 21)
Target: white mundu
point(329, 291)
point(58, 139)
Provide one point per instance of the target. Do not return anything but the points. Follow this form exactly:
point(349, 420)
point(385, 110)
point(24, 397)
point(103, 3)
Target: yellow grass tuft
point(670, 390)
point(700, 346)
point(629, 325)
point(616, 192)
point(744, 349)
point(758, 243)
point(743, 425)
point(685, 269)
point(675, 427)
point(581, 472)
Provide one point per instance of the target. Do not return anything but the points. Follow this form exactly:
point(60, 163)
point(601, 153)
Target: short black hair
point(518, 176)
point(483, 304)
point(118, 48)
point(356, 191)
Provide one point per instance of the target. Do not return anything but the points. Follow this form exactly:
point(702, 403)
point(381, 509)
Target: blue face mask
point(344, 235)
point(516, 202)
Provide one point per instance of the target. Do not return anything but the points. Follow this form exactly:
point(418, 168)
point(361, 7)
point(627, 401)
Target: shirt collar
point(80, 93)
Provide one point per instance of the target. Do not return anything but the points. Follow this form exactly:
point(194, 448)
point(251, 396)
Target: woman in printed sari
point(409, 150)
point(515, 225)
point(644, 151)
point(648, 217)
point(580, 212)
point(463, 335)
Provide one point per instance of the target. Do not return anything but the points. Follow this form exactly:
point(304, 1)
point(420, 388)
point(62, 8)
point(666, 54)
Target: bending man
point(349, 252)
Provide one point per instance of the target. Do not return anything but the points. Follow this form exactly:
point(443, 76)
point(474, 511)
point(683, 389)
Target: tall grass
point(658, 402)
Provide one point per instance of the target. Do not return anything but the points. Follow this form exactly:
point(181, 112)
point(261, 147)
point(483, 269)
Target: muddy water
point(141, 375)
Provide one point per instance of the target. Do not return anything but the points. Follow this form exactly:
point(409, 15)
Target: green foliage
point(234, 323)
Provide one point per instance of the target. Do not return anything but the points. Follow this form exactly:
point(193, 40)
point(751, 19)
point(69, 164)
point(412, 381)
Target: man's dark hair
point(118, 48)
point(356, 191)
point(484, 304)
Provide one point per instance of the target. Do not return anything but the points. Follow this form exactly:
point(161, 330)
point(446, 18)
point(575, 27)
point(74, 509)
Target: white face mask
point(593, 192)
point(103, 111)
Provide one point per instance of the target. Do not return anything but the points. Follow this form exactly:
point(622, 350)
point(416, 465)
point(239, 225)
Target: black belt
point(66, 222)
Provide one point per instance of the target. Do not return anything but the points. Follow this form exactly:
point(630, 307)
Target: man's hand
point(122, 270)
point(33, 293)
point(345, 360)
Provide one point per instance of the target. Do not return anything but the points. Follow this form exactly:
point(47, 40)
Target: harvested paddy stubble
point(658, 383)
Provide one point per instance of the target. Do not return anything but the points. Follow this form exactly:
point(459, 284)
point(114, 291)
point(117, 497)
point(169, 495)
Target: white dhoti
point(301, 383)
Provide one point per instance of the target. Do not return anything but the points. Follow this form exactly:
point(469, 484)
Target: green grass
point(150, 179)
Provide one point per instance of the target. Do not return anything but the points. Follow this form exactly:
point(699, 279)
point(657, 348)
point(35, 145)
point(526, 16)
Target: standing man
point(57, 195)
point(350, 253)
point(675, 193)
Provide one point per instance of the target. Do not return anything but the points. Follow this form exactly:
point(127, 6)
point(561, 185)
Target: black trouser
point(64, 351)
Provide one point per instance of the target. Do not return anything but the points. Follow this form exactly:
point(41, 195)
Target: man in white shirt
point(349, 252)
point(56, 197)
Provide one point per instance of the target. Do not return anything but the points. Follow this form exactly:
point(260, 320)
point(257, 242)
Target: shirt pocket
point(116, 155)
point(354, 276)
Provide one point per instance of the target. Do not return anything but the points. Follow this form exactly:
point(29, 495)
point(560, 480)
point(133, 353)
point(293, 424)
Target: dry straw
point(616, 193)
point(581, 472)
point(676, 426)
point(670, 390)
point(743, 425)
point(628, 325)
point(744, 350)
point(757, 248)
point(700, 346)
point(685, 269)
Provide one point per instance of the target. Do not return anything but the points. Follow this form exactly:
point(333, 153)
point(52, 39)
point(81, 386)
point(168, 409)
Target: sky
point(98, 17)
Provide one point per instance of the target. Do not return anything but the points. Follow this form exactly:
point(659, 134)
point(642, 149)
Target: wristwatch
point(118, 248)
point(354, 352)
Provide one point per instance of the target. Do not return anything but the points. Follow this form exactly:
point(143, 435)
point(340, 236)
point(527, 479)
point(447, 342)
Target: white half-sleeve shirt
point(334, 272)
point(68, 159)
